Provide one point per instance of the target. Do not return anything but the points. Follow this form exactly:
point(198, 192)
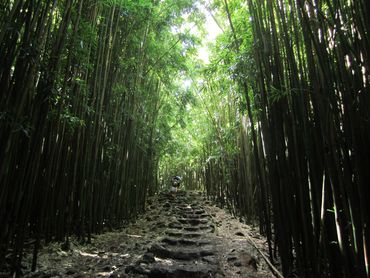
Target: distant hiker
point(175, 184)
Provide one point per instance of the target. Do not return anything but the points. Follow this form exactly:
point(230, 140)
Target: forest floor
point(182, 237)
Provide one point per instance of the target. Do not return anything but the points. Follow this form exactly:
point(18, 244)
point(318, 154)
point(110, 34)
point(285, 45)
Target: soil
point(179, 237)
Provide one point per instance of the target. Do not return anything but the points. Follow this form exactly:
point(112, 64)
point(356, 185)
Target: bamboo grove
point(94, 116)
point(296, 120)
point(80, 91)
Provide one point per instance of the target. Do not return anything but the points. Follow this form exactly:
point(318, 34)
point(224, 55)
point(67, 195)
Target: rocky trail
point(179, 237)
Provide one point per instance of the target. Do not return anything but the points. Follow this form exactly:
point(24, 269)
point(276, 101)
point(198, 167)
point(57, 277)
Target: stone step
point(174, 269)
point(195, 216)
point(186, 209)
point(197, 210)
point(183, 253)
point(193, 221)
point(177, 233)
point(205, 228)
point(185, 241)
point(175, 225)
point(186, 248)
point(199, 270)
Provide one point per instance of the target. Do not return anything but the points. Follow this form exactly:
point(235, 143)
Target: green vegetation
point(102, 101)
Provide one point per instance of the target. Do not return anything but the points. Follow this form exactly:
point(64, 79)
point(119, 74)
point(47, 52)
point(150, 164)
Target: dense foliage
point(102, 101)
point(287, 100)
point(82, 83)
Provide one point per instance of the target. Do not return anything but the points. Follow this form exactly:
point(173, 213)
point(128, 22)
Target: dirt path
point(181, 237)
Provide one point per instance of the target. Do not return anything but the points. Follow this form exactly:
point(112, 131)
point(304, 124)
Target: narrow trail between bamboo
point(185, 236)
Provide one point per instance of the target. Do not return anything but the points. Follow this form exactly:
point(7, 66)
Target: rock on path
point(177, 237)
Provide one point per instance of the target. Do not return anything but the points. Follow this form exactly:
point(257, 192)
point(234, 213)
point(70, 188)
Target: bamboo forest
point(184, 138)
